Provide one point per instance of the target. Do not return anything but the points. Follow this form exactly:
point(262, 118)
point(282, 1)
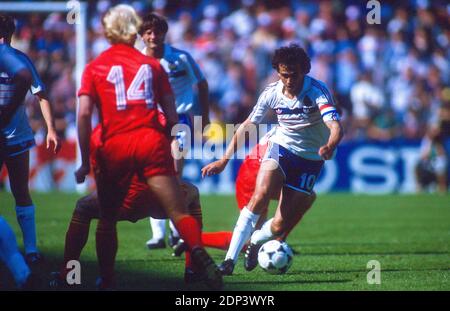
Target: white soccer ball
point(275, 257)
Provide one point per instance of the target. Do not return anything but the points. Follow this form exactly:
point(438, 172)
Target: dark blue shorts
point(300, 174)
point(13, 150)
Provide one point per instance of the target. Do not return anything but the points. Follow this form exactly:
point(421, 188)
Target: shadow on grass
point(127, 279)
point(361, 271)
point(374, 253)
point(278, 282)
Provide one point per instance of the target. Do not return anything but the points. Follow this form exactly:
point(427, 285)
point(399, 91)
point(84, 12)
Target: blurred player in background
point(308, 133)
point(126, 86)
point(18, 138)
point(184, 75)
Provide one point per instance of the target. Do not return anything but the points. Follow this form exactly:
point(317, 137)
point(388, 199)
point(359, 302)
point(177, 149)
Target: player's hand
point(326, 152)
point(214, 168)
point(52, 138)
point(81, 173)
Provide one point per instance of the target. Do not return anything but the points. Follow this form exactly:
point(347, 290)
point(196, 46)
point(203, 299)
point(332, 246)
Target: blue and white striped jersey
point(11, 62)
point(301, 121)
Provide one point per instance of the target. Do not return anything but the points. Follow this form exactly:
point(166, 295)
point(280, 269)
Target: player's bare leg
point(18, 169)
point(86, 209)
point(269, 181)
point(292, 207)
point(159, 225)
point(168, 192)
point(288, 214)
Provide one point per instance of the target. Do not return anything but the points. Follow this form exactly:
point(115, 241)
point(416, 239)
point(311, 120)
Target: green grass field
point(408, 235)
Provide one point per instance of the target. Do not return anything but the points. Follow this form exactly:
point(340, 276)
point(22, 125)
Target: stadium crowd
point(390, 79)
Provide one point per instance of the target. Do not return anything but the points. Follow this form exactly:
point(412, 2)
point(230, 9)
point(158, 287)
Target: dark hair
point(291, 55)
point(7, 26)
point(155, 21)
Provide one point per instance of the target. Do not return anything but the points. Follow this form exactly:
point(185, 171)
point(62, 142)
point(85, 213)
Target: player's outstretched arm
point(84, 127)
point(47, 113)
point(22, 82)
point(238, 138)
point(336, 134)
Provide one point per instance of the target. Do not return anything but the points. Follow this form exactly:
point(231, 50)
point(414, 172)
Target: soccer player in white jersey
point(18, 136)
point(184, 74)
point(308, 133)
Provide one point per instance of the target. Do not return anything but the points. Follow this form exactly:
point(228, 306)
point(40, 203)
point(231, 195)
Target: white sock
point(174, 230)
point(9, 254)
point(244, 227)
point(25, 217)
point(158, 228)
point(263, 234)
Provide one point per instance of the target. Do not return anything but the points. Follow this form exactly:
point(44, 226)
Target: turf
point(408, 235)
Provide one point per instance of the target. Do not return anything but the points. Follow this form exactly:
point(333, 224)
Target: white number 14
point(134, 92)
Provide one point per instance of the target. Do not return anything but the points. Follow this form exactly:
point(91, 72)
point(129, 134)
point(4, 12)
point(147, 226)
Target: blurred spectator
point(432, 167)
point(367, 102)
point(408, 55)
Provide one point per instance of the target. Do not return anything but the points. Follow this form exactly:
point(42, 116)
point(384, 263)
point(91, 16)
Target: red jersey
point(126, 86)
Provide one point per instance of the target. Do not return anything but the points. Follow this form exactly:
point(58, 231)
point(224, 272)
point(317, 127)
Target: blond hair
point(121, 24)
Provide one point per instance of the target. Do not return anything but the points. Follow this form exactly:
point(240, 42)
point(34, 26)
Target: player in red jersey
point(126, 86)
point(139, 203)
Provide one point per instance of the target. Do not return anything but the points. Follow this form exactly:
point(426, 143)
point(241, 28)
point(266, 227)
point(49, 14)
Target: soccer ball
point(275, 257)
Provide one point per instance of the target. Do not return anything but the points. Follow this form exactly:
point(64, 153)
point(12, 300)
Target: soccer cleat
point(180, 248)
point(208, 268)
point(191, 277)
point(251, 256)
point(155, 244)
point(227, 267)
point(33, 259)
point(173, 240)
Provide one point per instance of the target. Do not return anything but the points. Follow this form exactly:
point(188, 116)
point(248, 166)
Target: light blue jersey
point(18, 133)
point(183, 74)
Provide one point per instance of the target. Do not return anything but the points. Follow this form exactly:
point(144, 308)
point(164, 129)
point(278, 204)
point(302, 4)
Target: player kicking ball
point(308, 133)
point(126, 87)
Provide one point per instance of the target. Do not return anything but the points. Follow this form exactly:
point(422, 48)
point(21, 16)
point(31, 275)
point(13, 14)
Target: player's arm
point(22, 82)
point(84, 127)
point(203, 98)
point(336, 134)
point(202, 87)
point(38, 89)
point(47, 113)
point(238, 139)
point(170, 111)
point(236, 142)
point(167, 99)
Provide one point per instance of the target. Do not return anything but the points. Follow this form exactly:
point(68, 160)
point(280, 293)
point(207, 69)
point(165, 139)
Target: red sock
point(220, 240)
point(76, 237)
point(190, 231)
point(106, 246)
point(188, 261)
